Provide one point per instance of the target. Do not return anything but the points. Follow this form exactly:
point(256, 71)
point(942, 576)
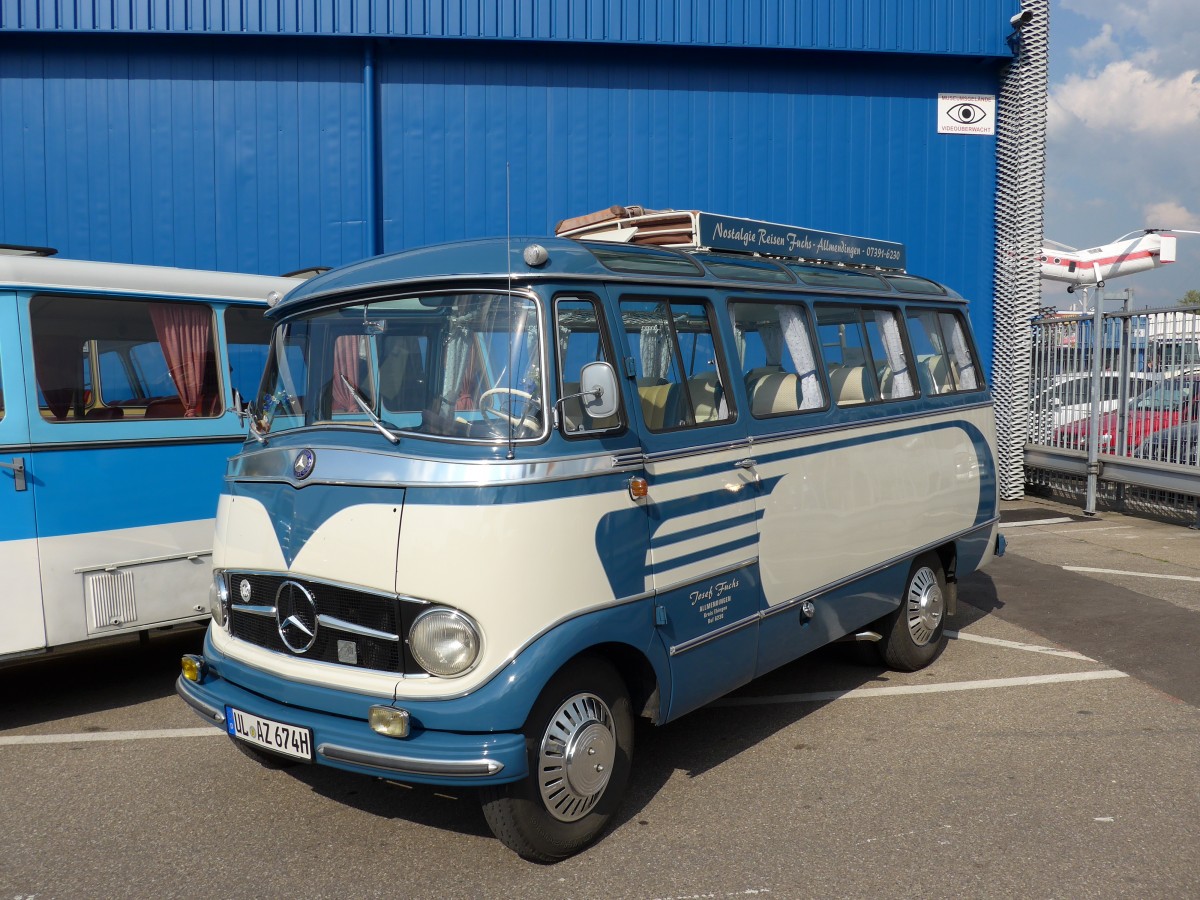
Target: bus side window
point(160, 357)
point(679, 372)
point(579, 340)
point(945, 361)
point(775, 348)
point(852, 373)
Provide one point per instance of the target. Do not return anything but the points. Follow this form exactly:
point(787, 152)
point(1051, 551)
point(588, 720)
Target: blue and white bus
point(117, 387)
point(502, 496)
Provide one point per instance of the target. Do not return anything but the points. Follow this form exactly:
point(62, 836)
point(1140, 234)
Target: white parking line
point(945, 687)
point(90, 736)
point(1016, 645)
point(1138, 574)
point(1057, 521)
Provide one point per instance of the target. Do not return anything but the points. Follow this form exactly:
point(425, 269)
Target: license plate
point(278, 737)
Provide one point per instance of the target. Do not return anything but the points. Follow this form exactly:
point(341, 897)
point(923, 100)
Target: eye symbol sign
point(967, 113)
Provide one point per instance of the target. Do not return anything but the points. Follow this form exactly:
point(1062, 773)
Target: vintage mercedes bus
point(117, 413)
point(500, 497)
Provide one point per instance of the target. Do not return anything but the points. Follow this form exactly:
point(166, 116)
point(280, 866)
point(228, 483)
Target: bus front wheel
point(915, 633)
point(579, 744)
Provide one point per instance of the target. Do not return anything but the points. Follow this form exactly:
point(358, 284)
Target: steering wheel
point(488, 410)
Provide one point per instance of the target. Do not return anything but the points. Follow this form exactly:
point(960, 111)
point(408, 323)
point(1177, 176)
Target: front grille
point(335, 643)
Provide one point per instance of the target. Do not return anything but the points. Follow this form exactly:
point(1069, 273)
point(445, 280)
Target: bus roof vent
point(696, 230)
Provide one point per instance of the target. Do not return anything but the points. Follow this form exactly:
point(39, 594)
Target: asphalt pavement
point(1051, 751)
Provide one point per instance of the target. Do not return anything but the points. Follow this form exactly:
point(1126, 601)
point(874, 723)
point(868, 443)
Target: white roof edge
point(50, 273)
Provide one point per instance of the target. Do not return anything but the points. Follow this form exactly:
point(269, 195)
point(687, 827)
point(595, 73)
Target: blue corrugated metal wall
point(967, 27)
point(182, 154)
point(248, 155)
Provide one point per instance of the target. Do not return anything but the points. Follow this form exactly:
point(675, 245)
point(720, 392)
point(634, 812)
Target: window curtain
point(345, 364)
point(893, 346)
point(58, 359)
point(771, 335)
point(185, 334)
point(655, 348)
point(962, 355)
point(794, 333)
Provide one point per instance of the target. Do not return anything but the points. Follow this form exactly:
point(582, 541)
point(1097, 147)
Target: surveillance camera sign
point(966, 114)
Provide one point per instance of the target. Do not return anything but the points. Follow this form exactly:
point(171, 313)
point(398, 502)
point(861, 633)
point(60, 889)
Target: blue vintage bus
point(500, 497)
point(117, 412)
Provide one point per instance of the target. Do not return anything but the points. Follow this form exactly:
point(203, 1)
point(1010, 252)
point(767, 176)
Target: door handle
point(18, 470)
point(749, 466)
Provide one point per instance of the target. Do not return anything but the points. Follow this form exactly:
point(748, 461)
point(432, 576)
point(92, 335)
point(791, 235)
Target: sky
point(1123, 135)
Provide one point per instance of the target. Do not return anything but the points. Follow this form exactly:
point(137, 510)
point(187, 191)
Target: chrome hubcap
point(576, 757)
point(925, 606)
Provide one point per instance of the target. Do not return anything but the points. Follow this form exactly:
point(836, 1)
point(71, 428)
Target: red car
point(1162, 406)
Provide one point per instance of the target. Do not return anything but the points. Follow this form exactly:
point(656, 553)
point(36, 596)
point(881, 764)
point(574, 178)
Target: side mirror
point(598, 389)
point(239, 406)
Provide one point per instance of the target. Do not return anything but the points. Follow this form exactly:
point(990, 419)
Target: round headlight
point(218, 600)
point(444, 642)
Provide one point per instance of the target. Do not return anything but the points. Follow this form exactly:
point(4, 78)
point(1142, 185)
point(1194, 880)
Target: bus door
point(22, 626)
point(701, 500)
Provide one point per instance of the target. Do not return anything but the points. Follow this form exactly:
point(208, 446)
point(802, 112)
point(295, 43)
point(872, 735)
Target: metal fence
point(1113, 408)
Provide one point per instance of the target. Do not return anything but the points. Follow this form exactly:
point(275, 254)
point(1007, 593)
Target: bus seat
point(105, 412)
point(165, 408)
point(848, 385)
point(659, 403)
point(707, 396)
point(760, 372)
point(934, 375)
point(885, 379)
point(778, 392)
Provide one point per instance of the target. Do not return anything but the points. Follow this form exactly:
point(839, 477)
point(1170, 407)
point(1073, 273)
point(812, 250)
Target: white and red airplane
point(1134, 252)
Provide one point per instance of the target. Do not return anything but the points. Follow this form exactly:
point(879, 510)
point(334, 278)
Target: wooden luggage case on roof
point(634, 225)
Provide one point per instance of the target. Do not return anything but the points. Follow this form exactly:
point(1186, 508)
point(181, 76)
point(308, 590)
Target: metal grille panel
point(112, 597)
point(333, 644)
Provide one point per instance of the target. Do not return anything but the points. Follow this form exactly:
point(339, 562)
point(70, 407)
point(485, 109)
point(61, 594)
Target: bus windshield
point(465, 366)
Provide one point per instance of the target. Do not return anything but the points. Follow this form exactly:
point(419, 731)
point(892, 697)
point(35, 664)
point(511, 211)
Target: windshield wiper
point(370, 413)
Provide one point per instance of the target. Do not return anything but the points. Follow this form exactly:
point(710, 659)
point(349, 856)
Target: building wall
point(958, 27)
point(251, 155)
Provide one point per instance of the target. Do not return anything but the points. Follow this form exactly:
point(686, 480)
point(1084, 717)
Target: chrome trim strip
point(871, 570)
point(343, 466)
point(695, 642)
point(109, 567)
point(254, 609)
point(362, 630)
point(409, 765)
point(715, 573)
point(346, 467)
point(206, 711)
point(99, 444)
point(323, 582)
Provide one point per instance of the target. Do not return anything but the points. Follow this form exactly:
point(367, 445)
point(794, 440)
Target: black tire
point(915, 634)
point(583, 713)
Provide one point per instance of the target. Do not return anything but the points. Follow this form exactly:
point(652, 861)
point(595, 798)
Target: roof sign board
point(748, 235)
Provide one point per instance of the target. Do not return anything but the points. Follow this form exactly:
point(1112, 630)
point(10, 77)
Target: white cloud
point(1124, 97)
point(1101, 48)
point(1170, 214)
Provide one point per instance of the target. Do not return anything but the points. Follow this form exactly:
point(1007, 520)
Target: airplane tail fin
point(1167, 252)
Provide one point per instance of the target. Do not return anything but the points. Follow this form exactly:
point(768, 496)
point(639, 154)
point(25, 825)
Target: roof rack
point(696, 230)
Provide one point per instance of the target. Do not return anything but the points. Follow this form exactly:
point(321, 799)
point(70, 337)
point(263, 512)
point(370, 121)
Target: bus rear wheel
point(579, 745)
point(915, 634)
